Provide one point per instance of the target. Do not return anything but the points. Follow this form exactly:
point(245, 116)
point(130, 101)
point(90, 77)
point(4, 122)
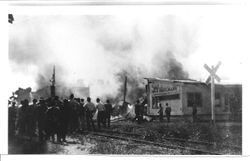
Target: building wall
point(223, 106)
point(228, 99)
point(204, 107)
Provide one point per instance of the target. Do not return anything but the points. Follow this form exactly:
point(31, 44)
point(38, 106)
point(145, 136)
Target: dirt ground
point(220, 133)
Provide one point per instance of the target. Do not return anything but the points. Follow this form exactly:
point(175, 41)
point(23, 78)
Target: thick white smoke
point(95, 49)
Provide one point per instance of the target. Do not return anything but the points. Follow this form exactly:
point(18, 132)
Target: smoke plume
point(100, 51)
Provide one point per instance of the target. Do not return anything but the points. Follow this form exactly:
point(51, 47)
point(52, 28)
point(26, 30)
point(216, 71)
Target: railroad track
point(160, 144)
point(210, 144)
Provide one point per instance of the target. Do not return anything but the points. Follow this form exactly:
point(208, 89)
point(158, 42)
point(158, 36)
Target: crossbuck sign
point(212, 72)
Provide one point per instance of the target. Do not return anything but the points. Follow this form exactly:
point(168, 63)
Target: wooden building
point(182, 94)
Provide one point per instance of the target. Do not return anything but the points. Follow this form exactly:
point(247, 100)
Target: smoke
point(100, 50)
point(168, 67)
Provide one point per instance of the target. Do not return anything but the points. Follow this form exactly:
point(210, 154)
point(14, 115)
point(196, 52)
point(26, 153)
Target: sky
point(92, 48)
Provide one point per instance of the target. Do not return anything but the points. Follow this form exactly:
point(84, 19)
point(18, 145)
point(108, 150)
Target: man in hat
point(41, 111)
point(101, 114)
point(90, 111)
point(108, 109)
point(168, 112)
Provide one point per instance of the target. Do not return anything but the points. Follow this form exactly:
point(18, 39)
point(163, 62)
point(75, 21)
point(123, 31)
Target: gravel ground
point(222, 133)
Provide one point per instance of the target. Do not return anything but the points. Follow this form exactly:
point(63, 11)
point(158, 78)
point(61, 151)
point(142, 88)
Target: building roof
point(189, 81)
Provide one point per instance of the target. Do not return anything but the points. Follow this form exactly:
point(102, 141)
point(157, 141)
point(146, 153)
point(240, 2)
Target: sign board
point(212, 71)
point(164, 89)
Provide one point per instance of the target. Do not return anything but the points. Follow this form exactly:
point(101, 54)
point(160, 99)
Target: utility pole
point(125, 89)
point(53, 83)
point(212, 72)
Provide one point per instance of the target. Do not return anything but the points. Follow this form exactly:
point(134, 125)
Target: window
point(194, 97)
point(226, 99)
point(217, 100)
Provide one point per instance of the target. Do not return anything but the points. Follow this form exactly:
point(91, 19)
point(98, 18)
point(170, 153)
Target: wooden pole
point(125, 90)
point(53, 82)
point(212, 98)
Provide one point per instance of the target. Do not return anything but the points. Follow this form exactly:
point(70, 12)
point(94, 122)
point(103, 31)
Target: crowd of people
point(52, 119)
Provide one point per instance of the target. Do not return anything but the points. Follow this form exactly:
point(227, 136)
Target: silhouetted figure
point(194, 112)
point(31, 119)
point(90, 111)
point(82, 115)
point(12, 118)
point(108, 109)
point(73, 124)
point(22, 117)
point(138, 111)
point(64, 119)
point(168, 112)
point(41, 114)
point(160, 113)
point(59, 119)
point(79, 114)
point(101, 114)
point(53, 121)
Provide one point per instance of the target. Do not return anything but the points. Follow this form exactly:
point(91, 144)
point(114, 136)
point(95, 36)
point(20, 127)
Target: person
point(79, 114)
point(19, 119)
point(73, 105)
point(12, 112)
point(194, 112)
point(160, 112)
point(82, 115)
point(57, 109)
point(64, 119)
point(90, 111)
point(141, 112)
point(137, 111)
point(101, 114)
point(31, 119)
point(168, 112)
point(52, 121)
point(41, 110)
point(22, 117)
point(108, 109)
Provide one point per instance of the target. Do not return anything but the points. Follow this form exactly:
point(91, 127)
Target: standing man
point(168, 112)
point(194, 112)
point(22, 117)
point(137, 111)
point(41, 111)
point(82, 115)
point(73, 105)
point(65, 118)
point(78, 113)
point(160, 113)
point(108, 109)
point(101, 114)
point(12, 119)
point(31, 118)
point(90, 111)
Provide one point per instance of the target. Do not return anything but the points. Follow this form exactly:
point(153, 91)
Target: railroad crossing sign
point(212, 71)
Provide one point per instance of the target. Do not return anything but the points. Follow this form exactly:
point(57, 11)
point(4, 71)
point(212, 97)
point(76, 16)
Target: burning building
point(182, 94)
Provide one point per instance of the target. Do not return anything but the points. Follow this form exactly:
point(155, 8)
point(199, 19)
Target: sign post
point(212, 72)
